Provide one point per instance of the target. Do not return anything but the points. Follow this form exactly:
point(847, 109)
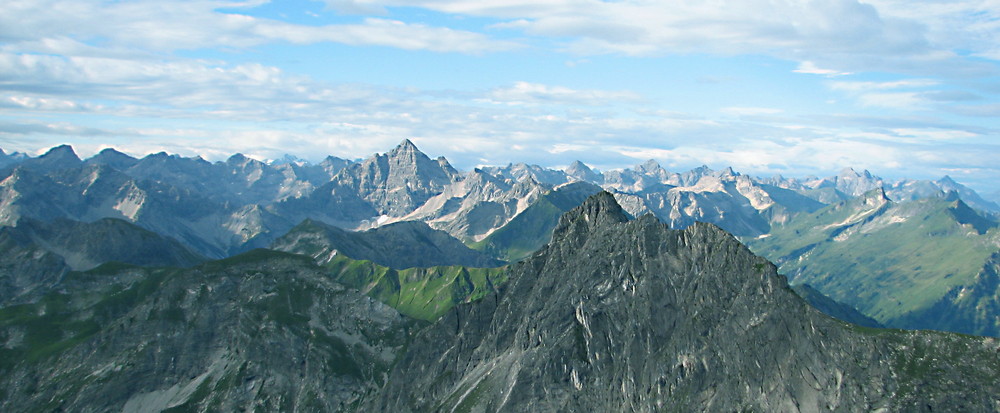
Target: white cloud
point(838, 35)
point(525, 93)
point(168, 26)
point(808, 67)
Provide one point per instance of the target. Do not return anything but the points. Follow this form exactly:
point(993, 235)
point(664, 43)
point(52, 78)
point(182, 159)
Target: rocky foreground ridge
point(619, 315)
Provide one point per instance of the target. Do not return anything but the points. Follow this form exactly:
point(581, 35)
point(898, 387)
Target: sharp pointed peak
point(406, 148)
point(947, 180)
point(728, 172)
point(407, 144)
point(850, 171)
point(597, 210)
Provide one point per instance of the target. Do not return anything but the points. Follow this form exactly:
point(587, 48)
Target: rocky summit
point(619, 315)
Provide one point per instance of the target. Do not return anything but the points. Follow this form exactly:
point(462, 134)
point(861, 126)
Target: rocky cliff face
point(618, 315)
point(397, 182)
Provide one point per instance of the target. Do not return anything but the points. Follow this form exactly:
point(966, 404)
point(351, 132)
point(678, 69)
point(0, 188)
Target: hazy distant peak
point(113, 158)
point(850, 172)
point(728, 172)
point(237, 158)
point(650, 166)
point(579, 170)
point(111, 152)
point(61, 153)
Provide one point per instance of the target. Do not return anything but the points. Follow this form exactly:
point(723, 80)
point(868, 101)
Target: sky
point(903, 88)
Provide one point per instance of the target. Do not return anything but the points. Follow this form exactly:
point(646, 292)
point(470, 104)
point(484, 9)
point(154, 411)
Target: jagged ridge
point(618, 315)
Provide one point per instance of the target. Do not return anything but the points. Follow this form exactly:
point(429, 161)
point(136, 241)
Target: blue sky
point(902, 88)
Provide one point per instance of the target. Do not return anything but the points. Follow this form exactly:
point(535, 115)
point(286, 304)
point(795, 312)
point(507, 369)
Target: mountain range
point(614, 313)
point(510, 287)
point(222, 208)
point(219, 209)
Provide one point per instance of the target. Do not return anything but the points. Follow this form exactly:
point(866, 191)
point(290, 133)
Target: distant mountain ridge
point(895, 261)
point(219, 209)
point(400, 245)
point(253, 202)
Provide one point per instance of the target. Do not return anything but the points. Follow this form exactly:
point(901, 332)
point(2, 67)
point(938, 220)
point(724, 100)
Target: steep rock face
point(398, 182)
point(631, 316)
point(477, 205)
point(264, 330)
point(399, 245)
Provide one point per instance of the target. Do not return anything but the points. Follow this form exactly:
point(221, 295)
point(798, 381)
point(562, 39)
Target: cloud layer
point(903, 89)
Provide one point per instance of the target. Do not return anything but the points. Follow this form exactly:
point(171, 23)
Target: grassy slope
point(894, 259)
point(422, 293)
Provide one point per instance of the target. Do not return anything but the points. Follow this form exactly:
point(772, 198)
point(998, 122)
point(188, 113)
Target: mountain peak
point(946, 180)
point(599, 210)
point(113, 158)
point(728, 172)
point(406, 146)
point(649, 166)
point(581, 171)
point(237, 158)
point(407, 152)
point(849, 171)
point(59, 157)
point(61, 153)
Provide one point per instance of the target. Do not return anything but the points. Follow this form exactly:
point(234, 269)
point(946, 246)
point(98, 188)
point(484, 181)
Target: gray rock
point(618, 315)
